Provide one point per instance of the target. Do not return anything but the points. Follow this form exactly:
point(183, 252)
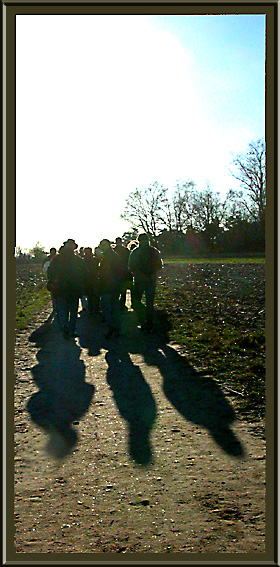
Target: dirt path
point(121, 446)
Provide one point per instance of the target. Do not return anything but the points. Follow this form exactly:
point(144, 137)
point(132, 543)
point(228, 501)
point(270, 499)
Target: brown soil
point(122, 447)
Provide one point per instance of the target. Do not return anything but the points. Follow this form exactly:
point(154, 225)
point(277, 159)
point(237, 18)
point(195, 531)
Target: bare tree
point(251, 172)
point(145, 208)
point(183, 205)
point(208, 214)
point(234, 208)
point(207, 208)
point(176, 211)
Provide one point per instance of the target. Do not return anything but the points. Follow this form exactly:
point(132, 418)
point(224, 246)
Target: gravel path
point(122, 447)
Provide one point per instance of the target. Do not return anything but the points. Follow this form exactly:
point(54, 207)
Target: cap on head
point(70, 243)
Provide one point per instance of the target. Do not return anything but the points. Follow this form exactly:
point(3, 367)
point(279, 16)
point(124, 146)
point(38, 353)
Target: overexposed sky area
point(106, 104)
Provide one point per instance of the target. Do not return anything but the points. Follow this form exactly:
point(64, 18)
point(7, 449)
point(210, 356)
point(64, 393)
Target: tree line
point(36, 255)
point(192, 221)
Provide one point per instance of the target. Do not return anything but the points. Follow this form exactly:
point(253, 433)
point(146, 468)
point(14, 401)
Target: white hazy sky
point(106, 104)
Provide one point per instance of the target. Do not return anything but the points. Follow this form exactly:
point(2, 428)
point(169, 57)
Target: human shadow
point(131, 393)
point(135, 402)
point(90, 330)
point(63, 395)
point(195, 395)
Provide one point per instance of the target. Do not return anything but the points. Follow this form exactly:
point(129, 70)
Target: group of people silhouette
point(100, 280)
point(97, 281)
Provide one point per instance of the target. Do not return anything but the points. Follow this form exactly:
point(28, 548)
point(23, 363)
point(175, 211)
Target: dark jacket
point(92, 265)
point(67, 274)
point(145, 262)
point(123, 255)
point(109, 272)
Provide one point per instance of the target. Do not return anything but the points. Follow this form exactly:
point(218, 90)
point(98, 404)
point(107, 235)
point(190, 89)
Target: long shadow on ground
point(131, 393)
point(195, 395)
point(63, 396)
point(135, 402)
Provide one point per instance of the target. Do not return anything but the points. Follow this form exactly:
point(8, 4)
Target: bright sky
point(107, 104)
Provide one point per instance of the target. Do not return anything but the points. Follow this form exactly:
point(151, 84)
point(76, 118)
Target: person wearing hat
point(144, 263)
point(67, 274)
point(109, 287)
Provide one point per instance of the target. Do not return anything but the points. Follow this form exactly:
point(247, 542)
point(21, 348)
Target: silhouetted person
point(47, 261)
point(125, 275)
point(109, 287)
point(91, 285)
point(67, 274)
point(144, 263)
point(131, 246)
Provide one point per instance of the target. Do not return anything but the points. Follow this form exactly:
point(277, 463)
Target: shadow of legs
point(135, 403)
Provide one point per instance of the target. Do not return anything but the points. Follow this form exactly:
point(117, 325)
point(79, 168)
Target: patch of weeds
point(251, 341)
point(31, 295)
point(217, 313)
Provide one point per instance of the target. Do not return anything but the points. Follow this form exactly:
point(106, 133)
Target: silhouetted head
point(87, 252)
point(104, 245)
point(118, 241)
point(70, 244)
point(97, 252)
point(143, 239)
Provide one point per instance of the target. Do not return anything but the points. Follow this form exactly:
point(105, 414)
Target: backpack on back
point(149, 261)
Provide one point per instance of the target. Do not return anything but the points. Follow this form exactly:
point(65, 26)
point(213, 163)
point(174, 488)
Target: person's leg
point(136, 295)
point(73, 313)
point(122, 299)
point(106, 307)
point(90, 303)
point(62, 311)
point(95, 302)
point(129, 287)
point(105, 302)
point(53, 299)
point(115, 312)
point(150, 290)
point(84, 302)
